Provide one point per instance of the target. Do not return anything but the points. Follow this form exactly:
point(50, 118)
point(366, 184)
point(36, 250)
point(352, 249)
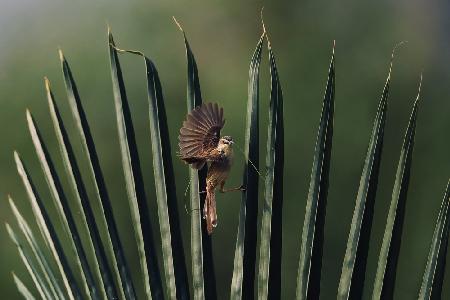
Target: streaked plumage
point(200, 135)
point(200, 143)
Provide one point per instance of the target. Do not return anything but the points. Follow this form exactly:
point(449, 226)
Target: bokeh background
point(223, 35)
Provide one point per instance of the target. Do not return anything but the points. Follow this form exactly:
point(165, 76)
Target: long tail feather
point(209, 210)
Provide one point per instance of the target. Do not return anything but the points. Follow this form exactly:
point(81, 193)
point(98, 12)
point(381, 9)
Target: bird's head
point(225, 146)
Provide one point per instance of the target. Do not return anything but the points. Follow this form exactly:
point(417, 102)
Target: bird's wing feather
point(200, 133)
point(215, 155)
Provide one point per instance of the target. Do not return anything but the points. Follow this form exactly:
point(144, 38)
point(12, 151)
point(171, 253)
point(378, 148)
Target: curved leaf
point(22, 288)
point(173, 253)
point(102, 269)
point(135, 183)
point(62, 206)
point(355, 259)
point(50, 278)
point(390, 248)
point(203, 277)
point(114, 245)
point(310, 264)
point(48, 232)
point(31, 268)
point(269, 275)
point(433, 276)
point(242, 284)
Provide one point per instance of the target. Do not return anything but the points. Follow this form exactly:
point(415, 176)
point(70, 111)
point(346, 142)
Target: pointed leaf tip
point(265, 33)
point(11, 233)
point(353, 271)
point(29, 116)
point(177, 23)
point(61, 55)
point(110, 36)
point(393, 55)
point(420, 87)
point(310, 261)
point(47, 84)
point(16, 155)
point(386, 273)
point(262, 19)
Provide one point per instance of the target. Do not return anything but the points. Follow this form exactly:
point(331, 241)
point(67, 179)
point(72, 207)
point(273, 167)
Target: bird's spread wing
point(200, 134)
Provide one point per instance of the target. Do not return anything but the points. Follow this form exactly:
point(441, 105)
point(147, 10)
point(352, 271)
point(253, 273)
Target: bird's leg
point(224, 190)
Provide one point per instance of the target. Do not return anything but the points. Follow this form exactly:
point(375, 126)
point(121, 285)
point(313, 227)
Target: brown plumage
point(200, 143)
point(200, 134)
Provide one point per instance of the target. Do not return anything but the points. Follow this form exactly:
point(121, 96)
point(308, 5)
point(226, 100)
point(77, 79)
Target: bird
point(200, 143)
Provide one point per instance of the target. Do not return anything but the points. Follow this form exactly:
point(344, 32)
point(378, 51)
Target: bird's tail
point(209, 210)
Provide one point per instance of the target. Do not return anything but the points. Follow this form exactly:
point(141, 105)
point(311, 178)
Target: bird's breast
point(218, 171)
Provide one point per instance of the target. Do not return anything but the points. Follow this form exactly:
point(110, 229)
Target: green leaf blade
point(48, 232)
point(269, 275)
point(433, 276)
point(31, 268)
point(355, 259)
point(203, 276)
point(390, 248)
point(242, 284)
point(134, 183)
point(39, 255)
point(310, 263)
point(102, 269)
point(172, 245)
point(114, 244)
point(22, 288)
point(62, 206)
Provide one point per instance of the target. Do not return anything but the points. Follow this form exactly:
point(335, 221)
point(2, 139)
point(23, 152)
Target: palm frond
point(433, 276)
point(61, 203)
point(48, 232)
point(101, 266)
point(204, 280)
point(242, 283)
point(269, 275)
point(31, 268)
point(354, 266)
point(24, 291)
point(172, 244)
point(310, 264)
point(115, 248)
point(135, 183)
point(390, 248)
point(49, 276)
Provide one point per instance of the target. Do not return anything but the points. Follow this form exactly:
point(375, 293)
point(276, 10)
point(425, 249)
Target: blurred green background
point(223, 35)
